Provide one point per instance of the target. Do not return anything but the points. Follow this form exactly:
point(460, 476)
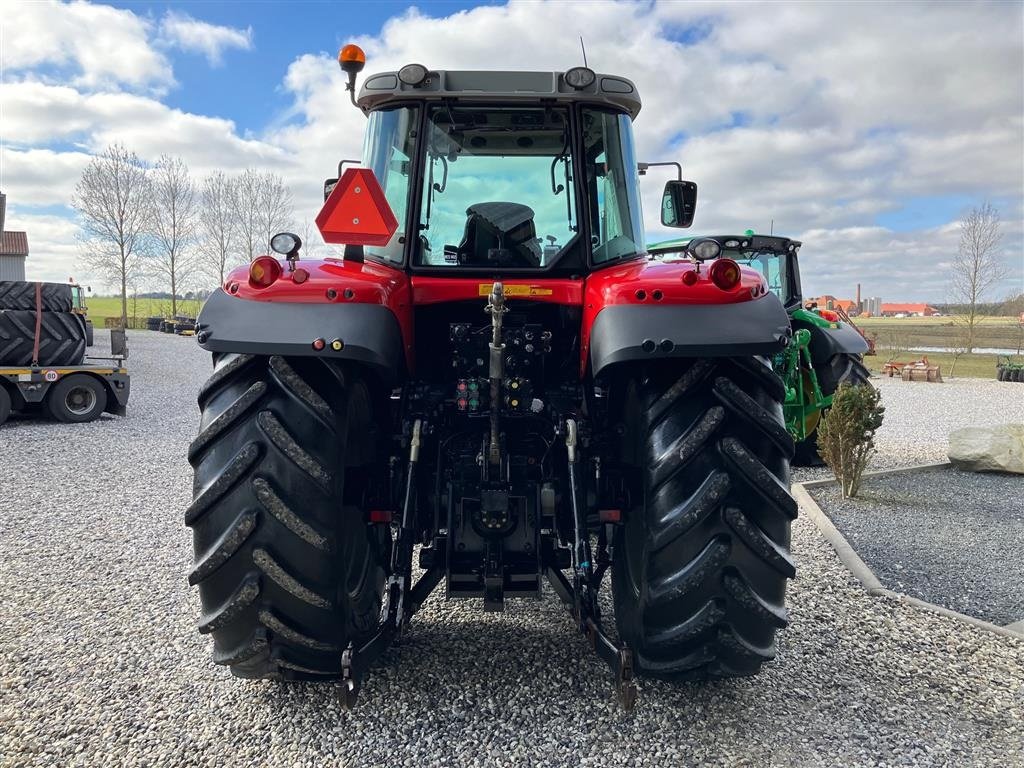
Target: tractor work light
point(725, 273)
point(705, 250)
point(286, 244)
point(413, 74)
point(263, 271)
point(580, 78)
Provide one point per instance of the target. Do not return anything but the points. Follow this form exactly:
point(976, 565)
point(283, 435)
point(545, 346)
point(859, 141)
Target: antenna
point(584, 51)
point(771, 230)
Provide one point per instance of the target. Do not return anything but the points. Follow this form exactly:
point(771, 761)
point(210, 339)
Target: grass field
point(972, 366)
point(911, 332)
point(896, 338)
point(102, 307)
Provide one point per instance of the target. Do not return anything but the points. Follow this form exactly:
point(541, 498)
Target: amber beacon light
point(351, 59)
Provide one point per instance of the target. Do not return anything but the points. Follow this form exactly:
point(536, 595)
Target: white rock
point(988, 449)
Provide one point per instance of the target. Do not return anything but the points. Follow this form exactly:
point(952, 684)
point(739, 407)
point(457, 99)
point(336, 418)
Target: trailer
point(69, 393)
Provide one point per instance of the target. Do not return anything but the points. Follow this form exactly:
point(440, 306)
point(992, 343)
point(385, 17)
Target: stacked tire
point(62, 333)
point(154, 323)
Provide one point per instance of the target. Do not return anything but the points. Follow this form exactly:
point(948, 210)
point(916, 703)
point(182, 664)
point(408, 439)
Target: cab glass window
point(616, 221)
point(388, 150)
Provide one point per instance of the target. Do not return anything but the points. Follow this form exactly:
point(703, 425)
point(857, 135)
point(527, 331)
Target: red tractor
point(497, 384)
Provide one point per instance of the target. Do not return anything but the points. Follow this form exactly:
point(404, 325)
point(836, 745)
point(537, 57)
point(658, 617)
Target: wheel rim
point(80, 401)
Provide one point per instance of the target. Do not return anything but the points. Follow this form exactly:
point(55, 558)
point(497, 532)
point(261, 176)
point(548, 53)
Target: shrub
point(846, 436)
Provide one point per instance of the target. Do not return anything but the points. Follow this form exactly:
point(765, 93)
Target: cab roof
point(384, 88)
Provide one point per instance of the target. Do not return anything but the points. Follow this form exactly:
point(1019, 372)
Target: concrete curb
point(849, 557)
point(880, 472)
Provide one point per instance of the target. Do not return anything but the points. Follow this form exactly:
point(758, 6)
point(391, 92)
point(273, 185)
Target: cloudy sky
point(863, 129)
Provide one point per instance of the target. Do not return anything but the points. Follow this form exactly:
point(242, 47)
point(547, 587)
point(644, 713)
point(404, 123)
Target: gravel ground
point(100, 663)
point(919, 417)
point(948, 537)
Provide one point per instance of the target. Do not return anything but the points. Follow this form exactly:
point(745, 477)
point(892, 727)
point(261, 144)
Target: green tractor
point(826, 349)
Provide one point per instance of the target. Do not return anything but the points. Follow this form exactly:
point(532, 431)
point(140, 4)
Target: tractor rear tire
point(700, 566)
point(61, 337)
point(289, 572)
point(842, 369)
point(21, 294)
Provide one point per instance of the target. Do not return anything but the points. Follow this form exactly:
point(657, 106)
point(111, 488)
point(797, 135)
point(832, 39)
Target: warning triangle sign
point(356, 212)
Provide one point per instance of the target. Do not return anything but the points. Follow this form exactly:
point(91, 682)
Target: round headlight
point(580, 77)
point(412, 74)
point(285, 243)
point(705, 250)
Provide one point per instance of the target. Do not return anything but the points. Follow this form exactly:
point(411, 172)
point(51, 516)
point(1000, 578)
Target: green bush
point(846, 436)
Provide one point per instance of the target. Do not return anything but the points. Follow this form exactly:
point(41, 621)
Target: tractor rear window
point(389, 147)
point(612, 184)
point(498, 188)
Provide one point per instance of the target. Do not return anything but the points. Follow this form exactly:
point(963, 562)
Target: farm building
point(13, 249)
point(909, 310)
point(831, 302)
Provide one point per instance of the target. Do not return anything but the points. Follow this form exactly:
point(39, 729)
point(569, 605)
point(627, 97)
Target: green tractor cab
point(826, 350)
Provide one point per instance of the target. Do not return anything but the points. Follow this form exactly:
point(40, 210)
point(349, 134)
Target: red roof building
point(831, 302)
point(920, 310)
point(13, 248)
point(14, 244)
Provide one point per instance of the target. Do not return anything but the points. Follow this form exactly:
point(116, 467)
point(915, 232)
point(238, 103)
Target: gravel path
point(919, 417)
point(948, 537)
point(100, 663)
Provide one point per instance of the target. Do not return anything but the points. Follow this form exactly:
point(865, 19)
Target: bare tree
point(218, 226)
point(312, 240)
point(112, 197)
point(977, 268)
point(262, 207)
point(175, 223)
point(276, 207)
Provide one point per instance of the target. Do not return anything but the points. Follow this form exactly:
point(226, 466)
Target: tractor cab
point(509, 171)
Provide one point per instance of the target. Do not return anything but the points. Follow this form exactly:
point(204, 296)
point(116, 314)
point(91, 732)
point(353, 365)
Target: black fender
point(369, 333)
point(630, 332)
point(826, 343)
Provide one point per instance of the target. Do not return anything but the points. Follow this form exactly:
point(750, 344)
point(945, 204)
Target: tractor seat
point(500, 234)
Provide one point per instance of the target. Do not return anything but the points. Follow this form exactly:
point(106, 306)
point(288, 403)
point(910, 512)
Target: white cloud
point(99, 46)
point(37, 113)
point(54, 251)
point(821, 117)
point(180, 30)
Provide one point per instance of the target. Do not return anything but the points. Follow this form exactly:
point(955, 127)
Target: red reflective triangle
point(357, 213)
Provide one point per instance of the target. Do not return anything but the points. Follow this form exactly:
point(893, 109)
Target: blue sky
point(849, 124)
point(244, 88)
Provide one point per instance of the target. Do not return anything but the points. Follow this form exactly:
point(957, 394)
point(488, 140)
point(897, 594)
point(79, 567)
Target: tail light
point(725, 273)
point(828, 314)
point(263, 271)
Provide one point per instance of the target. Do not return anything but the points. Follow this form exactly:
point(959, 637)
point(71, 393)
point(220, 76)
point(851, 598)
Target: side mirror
point(329, 185)
point(678, 204)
